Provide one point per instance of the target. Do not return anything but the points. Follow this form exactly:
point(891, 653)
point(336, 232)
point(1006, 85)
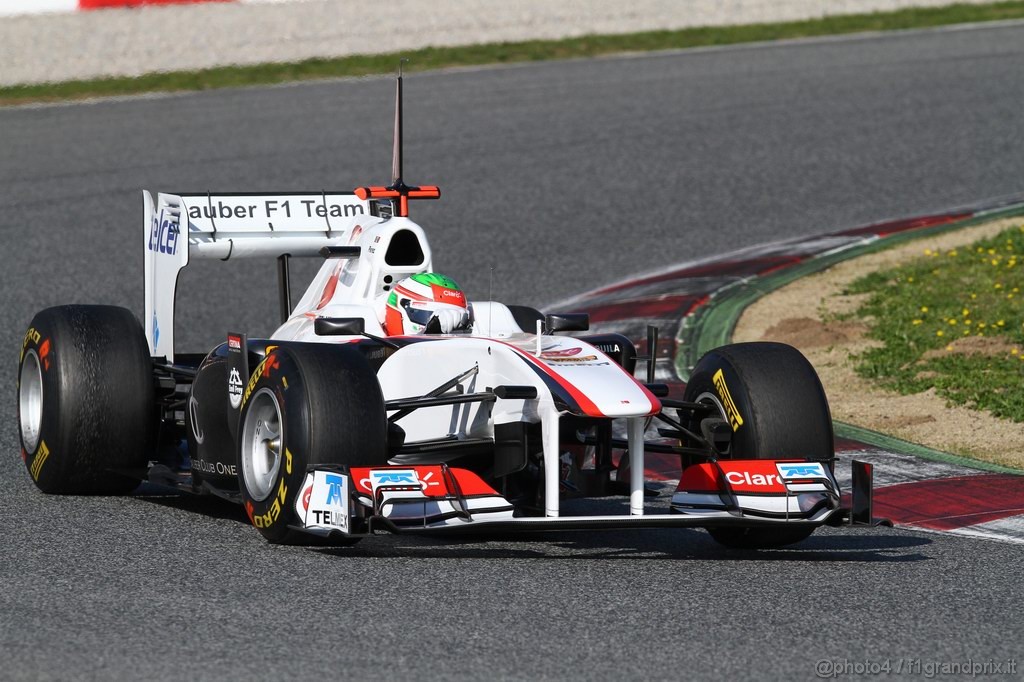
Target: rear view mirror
point(567, 322)
point(339, 326)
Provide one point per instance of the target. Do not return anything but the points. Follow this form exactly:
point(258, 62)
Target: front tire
point(305, 404)
point(775, 403)
point(86, 403)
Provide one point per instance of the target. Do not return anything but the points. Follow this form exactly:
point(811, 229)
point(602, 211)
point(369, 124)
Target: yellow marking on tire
point(39, 460)
point(731, 412)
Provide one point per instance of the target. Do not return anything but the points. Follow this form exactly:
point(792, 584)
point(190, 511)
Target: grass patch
point(507, 53)
point(953, 321)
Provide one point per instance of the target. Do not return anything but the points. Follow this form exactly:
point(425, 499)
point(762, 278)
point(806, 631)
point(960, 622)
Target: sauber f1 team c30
point(387, 401)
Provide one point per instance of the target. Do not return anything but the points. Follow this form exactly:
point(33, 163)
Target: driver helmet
point(416, 299)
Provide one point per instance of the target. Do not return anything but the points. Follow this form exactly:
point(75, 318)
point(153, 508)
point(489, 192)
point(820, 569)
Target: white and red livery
point(330, 428)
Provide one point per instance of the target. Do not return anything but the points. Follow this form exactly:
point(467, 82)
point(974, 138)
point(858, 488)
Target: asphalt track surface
point(562, 176)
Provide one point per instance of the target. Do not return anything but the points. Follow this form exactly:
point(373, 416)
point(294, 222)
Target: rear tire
point(86, 403)
point(779, 399)
point(306, 404)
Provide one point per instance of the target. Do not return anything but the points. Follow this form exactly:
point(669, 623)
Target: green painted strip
point(880, 440)
point(512, 52)
point(713, 325)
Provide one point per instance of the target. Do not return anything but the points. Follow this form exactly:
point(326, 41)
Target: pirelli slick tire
point(774, 401)
point(86, 403)
point(305, 404)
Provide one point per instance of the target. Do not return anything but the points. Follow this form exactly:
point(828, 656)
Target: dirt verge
point(802, 314)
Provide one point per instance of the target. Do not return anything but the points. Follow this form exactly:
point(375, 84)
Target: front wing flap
point(341, 502)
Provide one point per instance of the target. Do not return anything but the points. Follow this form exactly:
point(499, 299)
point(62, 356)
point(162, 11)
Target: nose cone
point(600, 386)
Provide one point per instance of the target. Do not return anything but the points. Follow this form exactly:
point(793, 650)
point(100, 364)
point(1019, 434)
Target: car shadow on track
point(206, 505)
point(639, 545)
point(880, 545)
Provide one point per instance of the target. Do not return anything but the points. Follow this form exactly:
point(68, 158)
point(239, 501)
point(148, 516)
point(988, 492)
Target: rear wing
point(179, 227)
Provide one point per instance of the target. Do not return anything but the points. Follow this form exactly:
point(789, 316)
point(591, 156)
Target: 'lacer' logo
point(163, 235)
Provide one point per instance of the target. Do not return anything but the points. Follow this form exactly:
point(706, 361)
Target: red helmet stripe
point(393, 324)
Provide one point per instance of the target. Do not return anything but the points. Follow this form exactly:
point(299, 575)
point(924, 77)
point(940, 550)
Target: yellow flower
point(916, 322)
point(994, 262)
point(927, 252)
point(998, 285)
point(981, 325)
point(967, 321)
point(1015, 290)
point(1014, 351)
point(910, 279)
point(949, 347)
point(939, 333)
point(966, 332)
point(974, 296)
point(966, 312)
point(952, 320)
point(991, 252)
point(924, 309)
point(1001, 323)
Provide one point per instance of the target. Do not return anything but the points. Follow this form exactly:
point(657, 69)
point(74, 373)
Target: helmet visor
point(420, 312)
point(420, 316)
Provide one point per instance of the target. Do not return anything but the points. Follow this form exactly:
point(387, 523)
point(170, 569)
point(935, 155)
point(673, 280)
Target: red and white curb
point(940, 496)
point(8, 7)
point(925, 494)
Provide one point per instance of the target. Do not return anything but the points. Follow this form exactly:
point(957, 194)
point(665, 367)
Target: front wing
point(340, 502)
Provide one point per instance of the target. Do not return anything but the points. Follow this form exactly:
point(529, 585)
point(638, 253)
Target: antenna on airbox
point(396, 150)
point(398, 189)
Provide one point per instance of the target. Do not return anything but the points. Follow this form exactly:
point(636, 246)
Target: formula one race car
point(386, 401)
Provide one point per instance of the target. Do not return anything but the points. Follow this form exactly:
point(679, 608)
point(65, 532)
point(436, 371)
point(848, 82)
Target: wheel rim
point(261, 444)
point(713, 399)
point(30, 401)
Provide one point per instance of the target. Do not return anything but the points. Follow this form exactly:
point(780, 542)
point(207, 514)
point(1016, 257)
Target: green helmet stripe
point(428, 278)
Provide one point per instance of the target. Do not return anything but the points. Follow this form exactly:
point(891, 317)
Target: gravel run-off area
point(130, 42)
